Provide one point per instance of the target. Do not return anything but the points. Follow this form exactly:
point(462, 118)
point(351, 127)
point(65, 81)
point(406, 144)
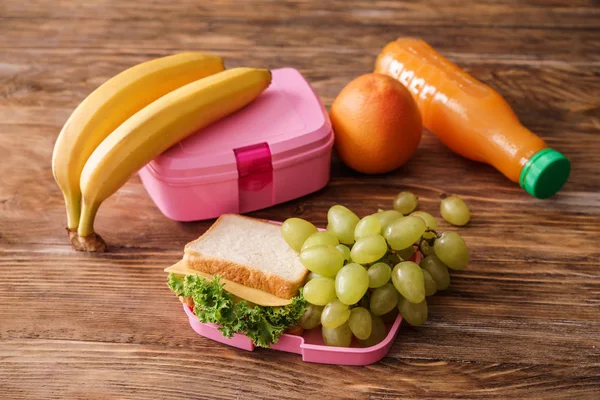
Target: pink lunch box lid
point(288, 116)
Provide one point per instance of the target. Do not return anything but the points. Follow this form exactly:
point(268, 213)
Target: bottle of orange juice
point(472, 119)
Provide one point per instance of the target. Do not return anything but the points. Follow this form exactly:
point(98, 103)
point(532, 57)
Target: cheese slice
point(255, 296)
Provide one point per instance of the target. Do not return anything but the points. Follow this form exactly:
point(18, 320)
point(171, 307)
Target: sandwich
point(242, 276)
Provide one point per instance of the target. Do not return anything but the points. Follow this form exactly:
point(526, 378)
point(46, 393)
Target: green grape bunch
point(364, 271)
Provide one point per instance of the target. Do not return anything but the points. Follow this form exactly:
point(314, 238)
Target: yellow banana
point(157, 127)
point(109, 106)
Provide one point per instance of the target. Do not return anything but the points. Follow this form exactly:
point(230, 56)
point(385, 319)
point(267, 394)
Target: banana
point(154, 129)
point(109, 106)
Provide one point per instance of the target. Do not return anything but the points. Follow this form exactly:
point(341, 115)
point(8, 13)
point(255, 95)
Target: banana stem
point(86, 222)
point(73, 205)
point(86, 239)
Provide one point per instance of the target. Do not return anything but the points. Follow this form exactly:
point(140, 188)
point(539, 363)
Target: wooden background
point(522, 322)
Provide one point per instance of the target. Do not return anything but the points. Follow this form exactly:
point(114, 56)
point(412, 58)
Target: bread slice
point(248, 251)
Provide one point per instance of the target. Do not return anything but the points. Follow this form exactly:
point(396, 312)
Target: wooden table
point(522, 322)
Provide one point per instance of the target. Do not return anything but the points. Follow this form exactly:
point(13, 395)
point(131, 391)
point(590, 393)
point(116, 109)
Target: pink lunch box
point(276, 149)
point(310, 345)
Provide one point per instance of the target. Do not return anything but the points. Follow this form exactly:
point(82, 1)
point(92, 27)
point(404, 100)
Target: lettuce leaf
point(214, 304)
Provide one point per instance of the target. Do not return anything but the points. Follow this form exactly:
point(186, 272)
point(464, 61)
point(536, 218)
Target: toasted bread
point(248, 251)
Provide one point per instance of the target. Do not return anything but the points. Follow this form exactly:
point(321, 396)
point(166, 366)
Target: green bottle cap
point(545, 173)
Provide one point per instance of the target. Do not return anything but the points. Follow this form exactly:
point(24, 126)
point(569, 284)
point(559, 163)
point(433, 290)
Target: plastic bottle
point(472, 119)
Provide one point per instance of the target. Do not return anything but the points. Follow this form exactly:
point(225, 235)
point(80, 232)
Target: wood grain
point(521, 322)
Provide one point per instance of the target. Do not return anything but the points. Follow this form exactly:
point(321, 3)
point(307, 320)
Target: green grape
point(367, 226)
point(344, 250)
point(455, 211)
point(452, 250)
point(340, 336)
point(407, 278)
point(378, 332)
point(386, 217)
point(351, 283)
point(430, 285)
point(320, 238)
point(405, 202)
point(342, 222)
point(311, 318)
point(335, 314)
point(311, 276)
point(390, 317)
point(384, 299)
point(360, 322)
point(426, 248)
point(437, 270)
point(429, 221)
point(390, 259)
point(320, 291)
point(403, 233)
point(364, 301)
point(414, 313)
point(368, 249)
point(428, 218)
point(295, 231)
point(406, 254)
point(323, 260)
point(379, 274)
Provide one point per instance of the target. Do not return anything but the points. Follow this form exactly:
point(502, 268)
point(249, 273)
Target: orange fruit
point(377, 124)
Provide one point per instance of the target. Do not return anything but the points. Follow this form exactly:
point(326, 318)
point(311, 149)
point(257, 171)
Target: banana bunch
point(131, 119)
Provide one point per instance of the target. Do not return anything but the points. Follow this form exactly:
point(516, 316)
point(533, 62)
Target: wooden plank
point(331, 38)
point(121, 297)
point(534, 88)
point(24, 204)
point(514, 13)
point(191, 369)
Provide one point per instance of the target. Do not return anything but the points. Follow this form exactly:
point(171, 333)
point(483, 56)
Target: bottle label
point(426, 91)
point(417, 85)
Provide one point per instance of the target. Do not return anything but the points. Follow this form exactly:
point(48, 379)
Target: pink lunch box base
point(309, 345)
point(212, 199)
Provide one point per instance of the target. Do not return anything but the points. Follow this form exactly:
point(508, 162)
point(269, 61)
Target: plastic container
point(309, 345)
point(472, 119)
point(276, 149)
